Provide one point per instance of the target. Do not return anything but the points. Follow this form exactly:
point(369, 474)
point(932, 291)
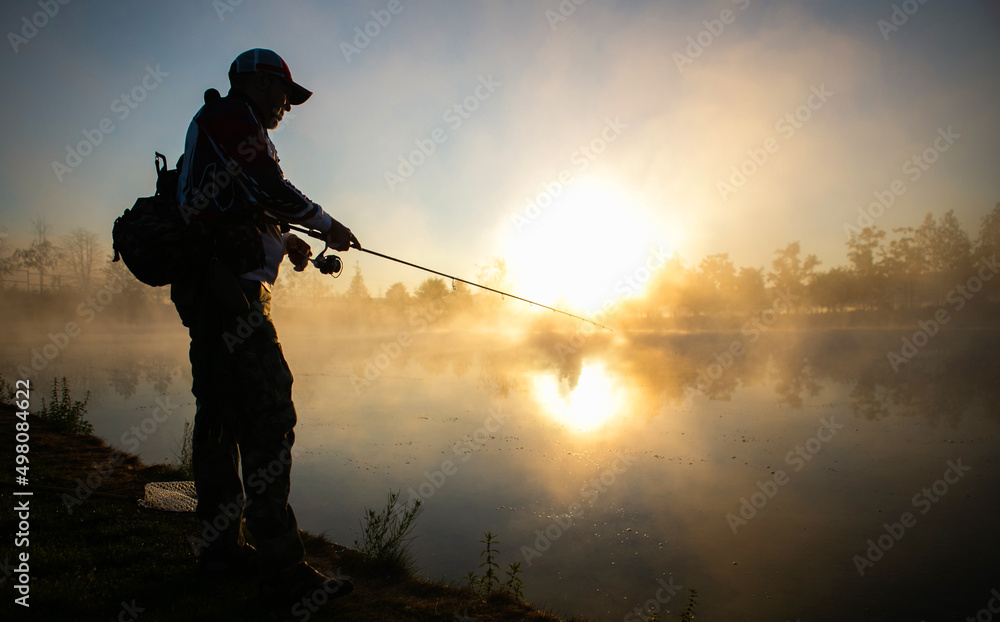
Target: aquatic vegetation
point(688, 614)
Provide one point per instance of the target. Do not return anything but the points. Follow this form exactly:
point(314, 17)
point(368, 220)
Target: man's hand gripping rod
point(318, 263)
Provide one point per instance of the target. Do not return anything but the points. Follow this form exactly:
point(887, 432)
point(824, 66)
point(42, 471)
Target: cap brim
point(297, 94)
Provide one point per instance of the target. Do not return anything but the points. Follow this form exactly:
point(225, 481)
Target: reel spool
point(328, 264)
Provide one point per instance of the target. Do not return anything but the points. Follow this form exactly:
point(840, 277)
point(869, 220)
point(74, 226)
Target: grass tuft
point(64, 413)
point(6, 392)
point(385, 536)
point(185, 459)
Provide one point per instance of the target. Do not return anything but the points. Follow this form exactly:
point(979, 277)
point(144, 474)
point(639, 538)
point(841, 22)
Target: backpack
point(158, 244)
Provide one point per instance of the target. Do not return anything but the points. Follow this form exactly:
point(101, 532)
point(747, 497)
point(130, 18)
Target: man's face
point(277, 101)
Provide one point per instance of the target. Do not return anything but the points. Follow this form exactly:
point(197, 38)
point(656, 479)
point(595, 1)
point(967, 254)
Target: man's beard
point(275, 118)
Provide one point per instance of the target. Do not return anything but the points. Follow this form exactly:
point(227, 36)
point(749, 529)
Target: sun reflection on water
point(586, 407)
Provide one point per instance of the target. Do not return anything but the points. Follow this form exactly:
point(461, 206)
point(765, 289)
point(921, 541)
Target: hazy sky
point(665, 130)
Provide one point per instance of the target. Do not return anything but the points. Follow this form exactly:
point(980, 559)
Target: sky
point(580, 141)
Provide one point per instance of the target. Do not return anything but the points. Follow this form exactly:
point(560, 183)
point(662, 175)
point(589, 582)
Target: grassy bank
point(106, 558)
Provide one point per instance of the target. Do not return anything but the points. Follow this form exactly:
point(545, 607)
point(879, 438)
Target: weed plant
point(489, 582)
point(386, 535)
point(185, 459)
point(66, 414)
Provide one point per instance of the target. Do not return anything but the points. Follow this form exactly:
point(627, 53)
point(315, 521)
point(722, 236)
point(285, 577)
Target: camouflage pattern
point(244, 413)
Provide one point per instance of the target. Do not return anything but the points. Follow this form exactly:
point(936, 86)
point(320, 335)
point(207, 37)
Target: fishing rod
point(328, 265)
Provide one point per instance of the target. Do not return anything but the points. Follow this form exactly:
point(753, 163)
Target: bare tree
point(42, 255)
point(8, 263)
point(80, 248)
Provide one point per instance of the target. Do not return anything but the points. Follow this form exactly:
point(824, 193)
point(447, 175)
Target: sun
point(591, 245)
point(586, 407)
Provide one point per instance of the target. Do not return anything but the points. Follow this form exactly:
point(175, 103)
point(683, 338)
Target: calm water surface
point(611, 466)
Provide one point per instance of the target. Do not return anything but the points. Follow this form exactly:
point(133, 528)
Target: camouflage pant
point(244, 415)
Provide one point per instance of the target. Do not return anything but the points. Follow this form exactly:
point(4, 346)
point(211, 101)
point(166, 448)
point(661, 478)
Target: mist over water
point(612, 464)
point(786, 211)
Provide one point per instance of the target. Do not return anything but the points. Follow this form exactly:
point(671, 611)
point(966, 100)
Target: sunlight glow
point(588, 406)
point(583, 249)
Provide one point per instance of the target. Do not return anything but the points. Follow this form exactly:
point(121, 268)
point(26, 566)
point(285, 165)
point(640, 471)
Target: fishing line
point(320, 236)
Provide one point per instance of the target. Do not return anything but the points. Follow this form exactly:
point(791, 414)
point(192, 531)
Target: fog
point(781, 215)
point(748, 442)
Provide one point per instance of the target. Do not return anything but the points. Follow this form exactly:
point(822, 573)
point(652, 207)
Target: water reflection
point(956, 371)
point(940, 384)
point(583, 403)
point(705, 429)
point(159, 373)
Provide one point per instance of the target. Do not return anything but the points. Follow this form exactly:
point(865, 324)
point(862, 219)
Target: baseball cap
point(259, 59)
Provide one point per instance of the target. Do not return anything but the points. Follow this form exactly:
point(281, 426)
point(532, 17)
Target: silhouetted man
point(230, 180)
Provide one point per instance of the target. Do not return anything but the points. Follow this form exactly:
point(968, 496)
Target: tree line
point(906, 268)
point(909, 268)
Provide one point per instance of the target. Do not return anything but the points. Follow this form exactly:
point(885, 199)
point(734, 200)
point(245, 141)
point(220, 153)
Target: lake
point(795, 476)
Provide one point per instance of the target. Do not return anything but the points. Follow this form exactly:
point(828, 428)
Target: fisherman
point(230, 180)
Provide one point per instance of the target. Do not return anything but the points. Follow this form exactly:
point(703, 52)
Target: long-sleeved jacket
point(229, 174)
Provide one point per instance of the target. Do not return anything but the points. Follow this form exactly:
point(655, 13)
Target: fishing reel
point(328, 264)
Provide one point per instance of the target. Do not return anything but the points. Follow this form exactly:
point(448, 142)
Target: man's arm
point(239, 139)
